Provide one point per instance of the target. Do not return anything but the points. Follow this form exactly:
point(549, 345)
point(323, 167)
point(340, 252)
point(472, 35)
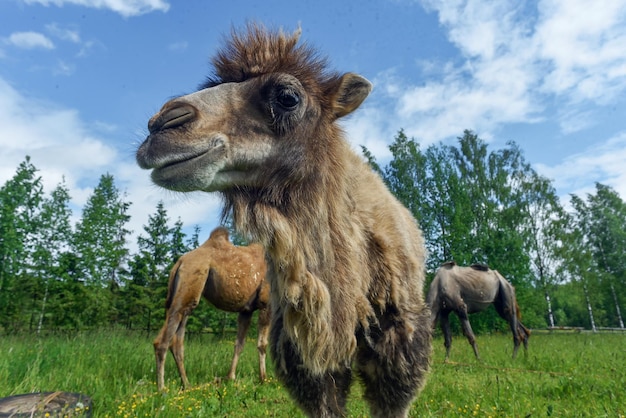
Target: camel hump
point(480, 267)
point(219, 233)
point(449, 264)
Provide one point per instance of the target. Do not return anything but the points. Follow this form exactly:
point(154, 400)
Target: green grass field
point(563, 375)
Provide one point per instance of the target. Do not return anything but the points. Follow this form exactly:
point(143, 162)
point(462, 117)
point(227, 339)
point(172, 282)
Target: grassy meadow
point(562, 375)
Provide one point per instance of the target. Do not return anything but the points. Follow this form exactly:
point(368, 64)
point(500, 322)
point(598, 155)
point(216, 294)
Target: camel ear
point(350, 93)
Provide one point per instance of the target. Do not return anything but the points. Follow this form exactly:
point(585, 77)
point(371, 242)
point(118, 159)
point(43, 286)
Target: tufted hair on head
point(258, 51)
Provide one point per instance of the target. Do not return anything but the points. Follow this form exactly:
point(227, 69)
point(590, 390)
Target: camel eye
point(288, 99)
point(286, 102)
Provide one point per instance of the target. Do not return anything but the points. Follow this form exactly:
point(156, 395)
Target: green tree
point(494, 186)
point(448, 202)
point(602, 218)
point(476, 205)
point(494, 183)
point(100, 244)
point(580, 264)
point(20, 198)
point(609, 227)
point(156, 245)
point(158, 249)
point(193, 241)
point(405, 175)
point(100, 238)
point(70, 297)
point(371, 160)
point(545, 223)
point(178, 246)
point(49, 241)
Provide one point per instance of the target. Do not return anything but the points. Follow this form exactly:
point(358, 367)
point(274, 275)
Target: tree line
point(59, 276)
point(474, 204)
point(477, 205)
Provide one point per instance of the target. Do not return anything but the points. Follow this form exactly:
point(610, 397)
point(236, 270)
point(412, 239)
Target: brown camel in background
point(468, 290)
point(230, 277)
point(347, 257)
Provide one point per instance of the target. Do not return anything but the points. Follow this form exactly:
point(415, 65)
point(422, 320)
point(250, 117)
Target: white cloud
point(367, 128)
point(555, 62)
point(515, 61)
point(603, 163)
point(126, 8)
point(87, 48)
point(63, 68)
point(63, 146)
point(65, 34)
point(493, 86)
point(29, 40)
point(55, 137)
point(584, 47)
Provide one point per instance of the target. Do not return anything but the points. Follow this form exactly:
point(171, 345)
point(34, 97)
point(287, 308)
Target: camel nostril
point(176, 115)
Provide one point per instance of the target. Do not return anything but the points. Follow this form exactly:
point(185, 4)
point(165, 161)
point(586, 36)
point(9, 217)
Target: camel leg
point(178, 350)
point(517, 337)
point(243, 324)
point(392, 363)
point(467, 329)
point(162, 343)
point(320, 396)
point(521, 335)
point(506, 307)
point(525, 332)
point(264, 329)
point(447, 333)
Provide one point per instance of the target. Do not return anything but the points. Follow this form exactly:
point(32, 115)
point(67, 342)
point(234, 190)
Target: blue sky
point(80, 78)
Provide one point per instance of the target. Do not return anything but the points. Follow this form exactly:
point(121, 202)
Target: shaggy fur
point(347, 257)
point(231, 278)
point(467, 290)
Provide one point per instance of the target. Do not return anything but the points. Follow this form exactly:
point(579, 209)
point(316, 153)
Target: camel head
point(266, 116)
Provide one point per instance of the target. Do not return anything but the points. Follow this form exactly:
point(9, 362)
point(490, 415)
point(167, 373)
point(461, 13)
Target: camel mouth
point(152, 154)
point(182, 168)
point(175, 163)
point(181, 174)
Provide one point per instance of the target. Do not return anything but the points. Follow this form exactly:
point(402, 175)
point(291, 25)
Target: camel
point(230, 277)
point(347, 258)
point(468, 290)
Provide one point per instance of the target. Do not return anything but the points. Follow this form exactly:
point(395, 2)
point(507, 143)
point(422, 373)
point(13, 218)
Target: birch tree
point(606, 217)
point(545, 220)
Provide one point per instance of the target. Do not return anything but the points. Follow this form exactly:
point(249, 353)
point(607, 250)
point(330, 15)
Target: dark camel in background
point(467, 290)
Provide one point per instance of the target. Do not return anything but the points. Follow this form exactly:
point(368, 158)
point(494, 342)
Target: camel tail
point(433, 292)
point(506, 297)
point(172, 285)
